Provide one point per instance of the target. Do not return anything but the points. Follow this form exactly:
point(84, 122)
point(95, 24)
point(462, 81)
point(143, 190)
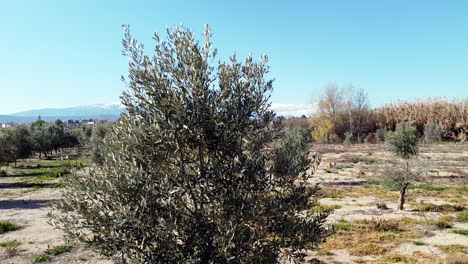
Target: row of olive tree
point(40, 137)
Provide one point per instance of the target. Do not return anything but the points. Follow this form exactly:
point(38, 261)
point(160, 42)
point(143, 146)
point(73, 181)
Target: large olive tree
point(196, 170)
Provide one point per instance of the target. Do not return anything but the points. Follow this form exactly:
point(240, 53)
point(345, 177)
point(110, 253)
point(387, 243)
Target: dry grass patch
point(449, 195)
point(455, 253)
point(368, 237)
point(417, 258)
point(440, 208)
point(359, 192)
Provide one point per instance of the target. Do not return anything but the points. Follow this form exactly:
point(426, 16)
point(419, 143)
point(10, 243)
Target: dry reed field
point(451, 115)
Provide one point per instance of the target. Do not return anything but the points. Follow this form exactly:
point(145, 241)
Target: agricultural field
point(25, 191)
point(433, 228)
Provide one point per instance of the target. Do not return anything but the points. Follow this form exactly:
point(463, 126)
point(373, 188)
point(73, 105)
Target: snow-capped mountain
point(114, 109)
point(112, 112)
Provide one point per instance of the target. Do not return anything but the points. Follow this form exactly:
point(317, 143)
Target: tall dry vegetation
point(451, 115)
point(342, 112)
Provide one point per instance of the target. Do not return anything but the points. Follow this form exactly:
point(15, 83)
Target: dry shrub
point(441, 208)
point(11, 250)
point(322, 129)
point(382, 206)
point(450, 115)
point(383, 225)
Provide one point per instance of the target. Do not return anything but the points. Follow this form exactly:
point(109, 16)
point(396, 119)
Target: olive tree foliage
point(196, 170)
point(96, 143)
point(15, 143)
point(403, 142)
point(7, 148)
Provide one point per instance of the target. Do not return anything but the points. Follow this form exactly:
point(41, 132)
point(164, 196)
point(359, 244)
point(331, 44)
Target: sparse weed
point(462, 216)
point(442, 208)
point(6, 226)
point(42, 258)
point(442, 225)
point(10, 243)
point(58, 250)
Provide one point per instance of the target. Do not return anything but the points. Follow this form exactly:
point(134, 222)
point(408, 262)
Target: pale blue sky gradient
point(68, 53)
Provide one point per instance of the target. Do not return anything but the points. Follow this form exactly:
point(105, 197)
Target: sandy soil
point(339, 172)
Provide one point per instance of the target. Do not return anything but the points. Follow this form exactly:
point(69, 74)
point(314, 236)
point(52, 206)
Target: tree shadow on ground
point(17, 185)
point(23, 204)
point(345, 183)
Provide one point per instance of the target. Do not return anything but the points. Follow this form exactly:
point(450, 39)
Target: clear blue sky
point(67, 53)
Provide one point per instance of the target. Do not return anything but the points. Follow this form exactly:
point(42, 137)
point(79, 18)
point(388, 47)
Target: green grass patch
point(342, 224)
point(418, 243)
point(46, 257)
point(342, 167)
point(463, 232)
point(463, 216)
point(367, 161)
point(429, 187)
point(58, 250)
point(320, 208)
point(390, 184)
point(6, 226)
point(42, 258)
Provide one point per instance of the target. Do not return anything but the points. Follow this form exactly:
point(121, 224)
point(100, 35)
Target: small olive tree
point(403, 142)
point(197, 170)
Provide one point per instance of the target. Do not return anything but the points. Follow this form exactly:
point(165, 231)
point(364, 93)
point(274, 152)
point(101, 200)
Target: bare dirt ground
point(429, 230)
point(425, 232)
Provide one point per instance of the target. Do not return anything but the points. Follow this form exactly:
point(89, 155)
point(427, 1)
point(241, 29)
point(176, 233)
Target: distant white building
point(6, 125)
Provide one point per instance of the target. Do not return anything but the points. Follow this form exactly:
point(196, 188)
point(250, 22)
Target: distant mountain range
point(96, 111)
point(113, 111)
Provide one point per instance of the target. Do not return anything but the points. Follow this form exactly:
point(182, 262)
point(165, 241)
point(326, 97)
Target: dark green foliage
point(7, 149)
point(21, 141)
point(463, 232)
point(197, 170)
point(403, 141)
